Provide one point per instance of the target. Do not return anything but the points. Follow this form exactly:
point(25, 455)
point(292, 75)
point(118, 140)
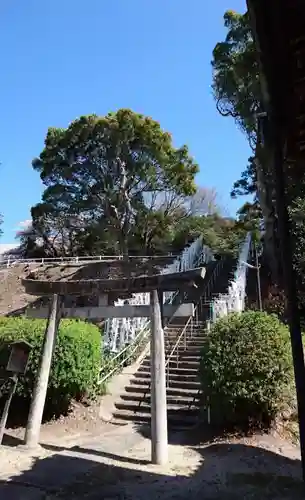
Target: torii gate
point(156, 285)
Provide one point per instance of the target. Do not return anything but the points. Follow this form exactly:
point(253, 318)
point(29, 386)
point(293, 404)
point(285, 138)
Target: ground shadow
point(201, 432)
point(12, 441)
point(223, 471)
point(192, 436)
point(19, 410)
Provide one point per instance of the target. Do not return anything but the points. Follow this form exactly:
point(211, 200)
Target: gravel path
point(116, 465)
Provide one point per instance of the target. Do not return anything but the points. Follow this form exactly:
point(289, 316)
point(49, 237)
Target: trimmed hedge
point(246, 369)
point(76, 359)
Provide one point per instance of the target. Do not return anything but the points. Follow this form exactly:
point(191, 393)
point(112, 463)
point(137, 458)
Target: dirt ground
point(83, 457)
point(83, 420)
point(12, 295)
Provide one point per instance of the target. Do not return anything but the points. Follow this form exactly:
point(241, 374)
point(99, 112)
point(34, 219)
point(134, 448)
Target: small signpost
point(17, 356)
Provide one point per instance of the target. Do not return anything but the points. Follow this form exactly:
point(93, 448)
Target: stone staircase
point(183, 387)
point(182, 371)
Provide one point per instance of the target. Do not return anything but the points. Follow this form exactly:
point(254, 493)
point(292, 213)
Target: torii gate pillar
point(159, 436)
point(32, 432)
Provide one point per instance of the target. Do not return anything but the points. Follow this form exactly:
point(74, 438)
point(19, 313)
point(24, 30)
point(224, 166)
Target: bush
point(76, 360)
point(246, 369)
point(275, 302)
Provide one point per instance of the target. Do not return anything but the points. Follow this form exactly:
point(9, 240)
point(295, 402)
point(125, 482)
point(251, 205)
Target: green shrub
point(76, 359)
point(246, 369)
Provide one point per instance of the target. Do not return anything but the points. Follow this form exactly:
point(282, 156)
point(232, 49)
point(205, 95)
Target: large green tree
point(237, 91)
point(101, 174)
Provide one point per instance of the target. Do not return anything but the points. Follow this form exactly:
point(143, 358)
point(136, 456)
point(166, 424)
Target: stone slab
point(125, 311)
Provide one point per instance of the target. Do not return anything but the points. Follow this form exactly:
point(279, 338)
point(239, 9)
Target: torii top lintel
point(162, 282)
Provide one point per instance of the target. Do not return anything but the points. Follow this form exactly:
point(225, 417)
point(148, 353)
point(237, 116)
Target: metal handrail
point(214, 274)
point(10, 260)
point(143, 330)
point(119, 354)
point(211, 279)
point(179, 338)
point(210, 282)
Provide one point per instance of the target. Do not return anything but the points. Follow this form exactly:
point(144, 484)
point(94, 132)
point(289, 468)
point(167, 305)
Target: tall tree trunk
point(265, 197)
point(125, 196)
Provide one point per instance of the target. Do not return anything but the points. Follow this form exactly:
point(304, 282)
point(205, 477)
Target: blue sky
point(64, 58)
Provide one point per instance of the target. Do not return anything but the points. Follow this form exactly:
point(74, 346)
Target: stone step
point(184, 371)
point(189, 336)
point(188, 340)
point(172, 336)
point(194, 326)
point(196, 331)
point(183, 384)
point(186, 356)
point(192, 343)
point(180, 375)
point(134, 407)
point(181, 354)
point(175, 421)
point(173, 384)
point(190, 351)
point(192, 365)
point(179, 399)
point(173, 339)
point(182, 324)
point(184, 346)
point(170, 391)
point(189, 329)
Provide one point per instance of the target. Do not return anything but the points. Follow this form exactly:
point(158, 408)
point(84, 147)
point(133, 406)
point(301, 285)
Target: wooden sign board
point(19, 357)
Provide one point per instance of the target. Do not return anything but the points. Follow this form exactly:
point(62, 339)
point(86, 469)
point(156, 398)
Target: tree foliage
point(247, 183)
point(101, 172)
point(117, 185)
point(238, 93)
point(246, 369)
point(236, 83)
point(237, 90)
point(76, 361)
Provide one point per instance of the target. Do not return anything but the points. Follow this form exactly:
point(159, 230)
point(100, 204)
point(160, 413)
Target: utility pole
point(41, 385)
point(258, 278)
point(259, 288)
point(159, 438)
